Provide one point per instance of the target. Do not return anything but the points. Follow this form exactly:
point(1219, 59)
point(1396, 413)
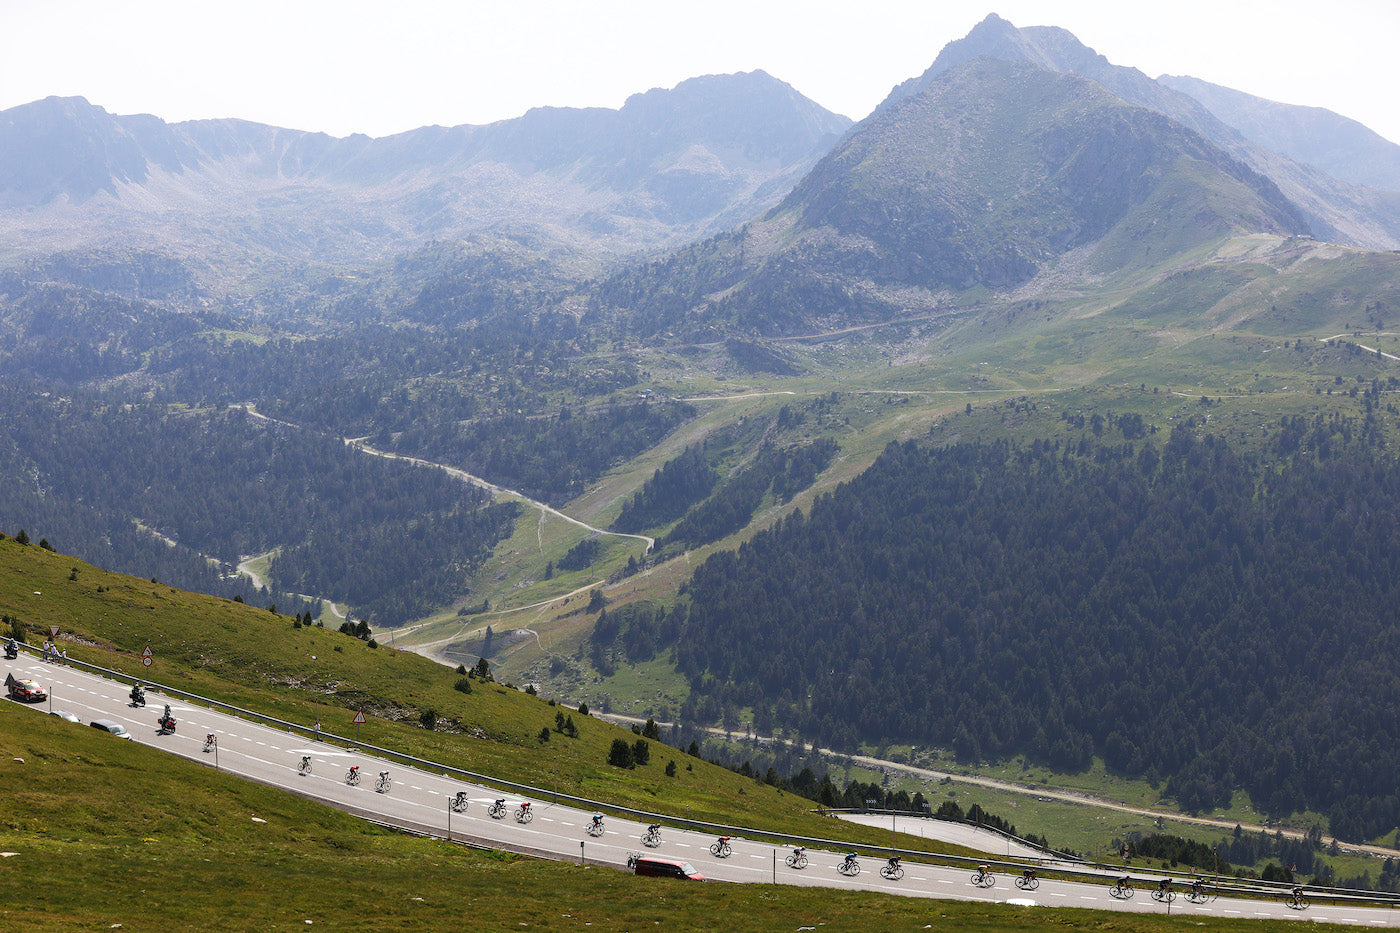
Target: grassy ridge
point(257, 660)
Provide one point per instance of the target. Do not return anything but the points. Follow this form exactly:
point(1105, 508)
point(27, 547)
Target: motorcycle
point(167, 724)
point(138, 696)
point(11, 651)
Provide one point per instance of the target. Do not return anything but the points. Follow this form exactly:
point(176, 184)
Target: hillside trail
point(360, 444)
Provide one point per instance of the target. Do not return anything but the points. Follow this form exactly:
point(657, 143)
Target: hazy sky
point(343, 66)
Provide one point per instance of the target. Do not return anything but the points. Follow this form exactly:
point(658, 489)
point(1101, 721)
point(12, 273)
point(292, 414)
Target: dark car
point(107, 725)
point(26, 691)
point(665, 868)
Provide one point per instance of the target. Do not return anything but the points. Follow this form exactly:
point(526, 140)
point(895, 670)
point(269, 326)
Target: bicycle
point(850, 867)
point(209, 742)
point(1028, 881)
point(1122, 889)
point(352, 777)
point(381, 786)
point(892, 870)
point(497, 810)
point(305, 767)
point(983, 878)
point(720, 848)
point(1297, 900)
point(523, 813)
point(798, 859)
point(459, 803)
point(1200, 894)
point(652, 837)
point(595, 828)
point(1163, 893)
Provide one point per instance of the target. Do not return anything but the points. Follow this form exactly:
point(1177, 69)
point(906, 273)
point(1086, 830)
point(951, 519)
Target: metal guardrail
point(1092, 871)
point(1101, 871)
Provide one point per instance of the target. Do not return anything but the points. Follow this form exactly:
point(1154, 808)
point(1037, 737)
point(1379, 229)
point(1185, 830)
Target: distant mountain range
point(668, 167)
point(1016, 149)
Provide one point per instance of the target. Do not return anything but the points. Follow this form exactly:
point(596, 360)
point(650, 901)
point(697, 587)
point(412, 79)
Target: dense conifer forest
point(1180, 610)
point(182, 495)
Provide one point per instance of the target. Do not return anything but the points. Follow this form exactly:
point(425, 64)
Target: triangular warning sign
point(359, 718)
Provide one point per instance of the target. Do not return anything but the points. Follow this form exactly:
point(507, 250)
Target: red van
point(654, 867)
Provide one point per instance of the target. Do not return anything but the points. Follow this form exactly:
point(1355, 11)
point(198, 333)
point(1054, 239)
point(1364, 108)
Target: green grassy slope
point(257, 660)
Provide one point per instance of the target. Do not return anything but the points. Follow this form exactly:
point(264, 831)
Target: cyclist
point(209, 741)
point(597, 821)
point(1028, 875)
point(654, 830)
point(893, 864)
point(850, 860)
point(305, 764)
point(1198, 887)
point(982, 872)
point(1165, 886)
point(353, 776)
point(799, 851)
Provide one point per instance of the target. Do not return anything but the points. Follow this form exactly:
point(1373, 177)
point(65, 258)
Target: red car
point(26, 691)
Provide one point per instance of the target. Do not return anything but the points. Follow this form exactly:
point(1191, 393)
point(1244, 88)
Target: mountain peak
point(1049, 47)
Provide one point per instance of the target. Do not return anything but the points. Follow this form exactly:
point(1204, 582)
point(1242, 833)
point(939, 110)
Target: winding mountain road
point(419, 799)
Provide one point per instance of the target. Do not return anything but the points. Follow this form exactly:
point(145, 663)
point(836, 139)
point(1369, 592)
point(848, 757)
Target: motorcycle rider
point(11, 648)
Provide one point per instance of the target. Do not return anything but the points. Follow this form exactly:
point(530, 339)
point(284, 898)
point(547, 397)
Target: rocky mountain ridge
point(668, 167)
point(1339, 146)
point(974, 183)
point(1337, 210)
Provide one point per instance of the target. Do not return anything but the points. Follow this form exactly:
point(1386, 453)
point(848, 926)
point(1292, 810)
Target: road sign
point(359, 718)
point(147, 654)
point(146, 660)
point(53, 631)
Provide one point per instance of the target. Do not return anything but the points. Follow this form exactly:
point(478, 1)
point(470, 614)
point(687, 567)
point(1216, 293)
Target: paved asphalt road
point(419, 799)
